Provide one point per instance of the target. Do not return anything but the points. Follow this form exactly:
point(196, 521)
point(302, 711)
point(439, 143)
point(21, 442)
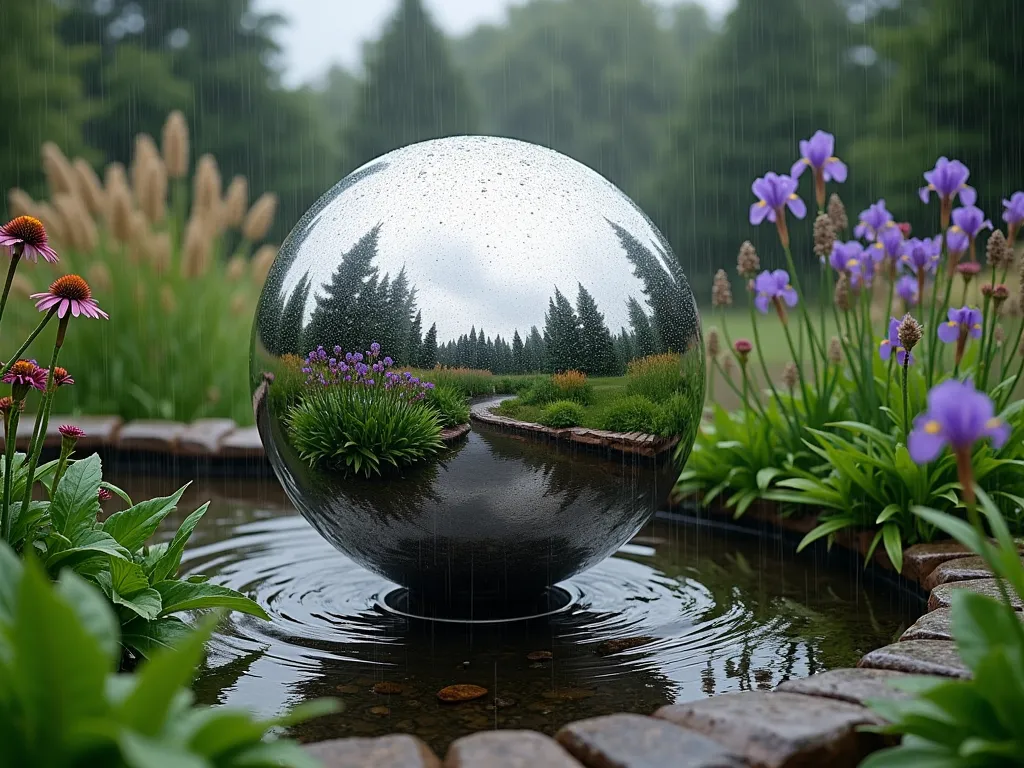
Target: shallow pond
point(683, 611)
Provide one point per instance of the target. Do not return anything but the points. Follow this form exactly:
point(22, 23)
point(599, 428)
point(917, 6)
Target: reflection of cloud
point(486, 228)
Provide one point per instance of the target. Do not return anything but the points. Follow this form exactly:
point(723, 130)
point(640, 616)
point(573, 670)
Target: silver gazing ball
point(485, 253)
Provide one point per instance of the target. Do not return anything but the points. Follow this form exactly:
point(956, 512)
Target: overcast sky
point(324, 32)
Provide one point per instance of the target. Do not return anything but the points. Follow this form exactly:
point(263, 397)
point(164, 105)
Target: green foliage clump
point(139, 579)
point(573, 385)
point(561, 414)
point(450, 405)
point(632, 414)
point(656, 377)
point(62, 703)
point(363, 429)
point(472, 382)
point(541, 393)
point(679, 416)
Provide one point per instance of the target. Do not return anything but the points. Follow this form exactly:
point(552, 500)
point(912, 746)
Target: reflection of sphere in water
point(497, 255)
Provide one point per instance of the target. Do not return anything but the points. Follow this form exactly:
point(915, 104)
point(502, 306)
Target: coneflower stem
point(15, 258)
point(31, 337)
point(10, 437)
point(62, 464)
point(39, 431)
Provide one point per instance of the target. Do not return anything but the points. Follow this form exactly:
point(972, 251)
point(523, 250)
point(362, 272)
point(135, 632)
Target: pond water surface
point(681, 612)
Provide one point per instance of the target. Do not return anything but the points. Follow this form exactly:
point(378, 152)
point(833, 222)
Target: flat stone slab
point(99, 430)
point(934, 625)
point(781, 730)
point(203, 437)
point(918, 657)
point(507, 749)
point(920, 560)
point(242, 443)
point(395, 751)
point(942, 595)
point(851, 685)
point(151, 435)
point(634, 741)
point(958, 569)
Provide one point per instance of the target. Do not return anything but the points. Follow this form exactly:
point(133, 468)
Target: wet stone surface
point(934, 625)
point(781, 730)
point(918, 657)
point(851, 685)
point(508, 749)
point(920, 560)
point(960, 569)
point(150, 435)
point(396, 751)
point(634, 741)
point(203, 437)
point(942, 595)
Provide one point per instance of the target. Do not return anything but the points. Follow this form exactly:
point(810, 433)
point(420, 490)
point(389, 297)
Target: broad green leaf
point(967, 707)
point(94, 613)
point(89, 543)
point(148, 637)
point(765, 477)
point(145, 603)
point(825, 529)
point(127, 577)
point(59, 667)
point(271, 754)
point(888, 512)
point(30, 522)
point(186, 596)
point(10, 578)
point(133, 526)
point(979, 623)
point(999, 677)
point(161, 678)
point(170, 561)
point(117, 492)
point(893, 545)
point(913, 757)
point(141, 752)
point(75, 503)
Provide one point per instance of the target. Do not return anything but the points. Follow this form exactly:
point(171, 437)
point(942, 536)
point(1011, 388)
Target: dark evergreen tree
point(518, 362)
point(348, 307)
point(428, 352)
point(411, 355)
point(411, 92)
point(624, 348)
point(644, 343)
point(562, 335)
point(535, 352)
point(597, 350)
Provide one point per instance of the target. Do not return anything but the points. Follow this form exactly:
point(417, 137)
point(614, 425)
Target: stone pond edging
point(803, 723)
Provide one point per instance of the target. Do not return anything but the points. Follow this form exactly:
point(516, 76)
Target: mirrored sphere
point(517, 262)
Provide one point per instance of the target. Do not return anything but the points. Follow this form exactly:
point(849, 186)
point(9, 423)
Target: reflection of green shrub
point(679, 416)
point(656, 377)
point(541, 393)
point(450, 404)
point(288, 384)
point(561, 414)
point(632, 414)
point(363, 429)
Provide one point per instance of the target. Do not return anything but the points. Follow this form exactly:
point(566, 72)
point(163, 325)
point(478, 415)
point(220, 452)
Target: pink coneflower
point(30, 234)
point(71, 431)
point(25, 375)
point(62, 378)
point(70, 292)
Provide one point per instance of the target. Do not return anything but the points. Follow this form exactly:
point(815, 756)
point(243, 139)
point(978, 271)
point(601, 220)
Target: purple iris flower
point(948, 179)
point(957, 243)
point(922, 255)
point(846, 257)
point(958, 416)
point(1014, 213)
point(773, 287)
point(774, 194)
point(886, 348)
point(817, 154)
point(375, 348)
point(971, 220)
point(906, 289)
point(890, 243)
point(872, 221)
point(961, 322)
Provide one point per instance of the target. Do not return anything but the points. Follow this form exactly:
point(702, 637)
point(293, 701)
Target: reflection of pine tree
point(597, 351)
point(518, 356)
point(624, 348)
point(396, 324)
point(428, 353)
point(667, 292)
point(644, 343)
point(285, 337)
point(413, 345)
point(341, 313)
point(562, 335)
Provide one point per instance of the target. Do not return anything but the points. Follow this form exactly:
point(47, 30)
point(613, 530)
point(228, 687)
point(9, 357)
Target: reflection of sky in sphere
point(486, 229)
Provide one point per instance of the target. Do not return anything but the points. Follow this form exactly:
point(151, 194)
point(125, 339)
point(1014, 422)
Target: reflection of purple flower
point(872, 221)
point(964, 322)
point(948, 179)
point(906, 289)
point(886, 348)
point(388, 361)
point(816, 153)
point(774, 287)
point(958, 416)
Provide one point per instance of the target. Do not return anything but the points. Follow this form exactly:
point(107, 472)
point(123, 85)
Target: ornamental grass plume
point(837, 213)
point(206, 186)
point(790, 376)
point(835, 351)
point(260, 218)
point(90, 189)
point(748, 263)
point(842, 292)
point(60, 178)
point(262, 261)
point(997, 251)
point(236, 202)
point(152, 195)
point(19, 203)
point(175, 145)
point(721, 290)
point(714, 343)
point(824, 236)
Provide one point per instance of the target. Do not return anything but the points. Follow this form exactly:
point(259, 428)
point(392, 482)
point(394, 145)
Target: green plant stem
point(10, 438)
point(795, 430)
point(933, 342)
point(741, 395)
point(62, 464)
point(800, 369)
point(36, 447)
point(16, 252)
point(1005, 398)
point(906, 398)
point(888, 379)
point(988, 332)
point(804, 312)
point(31, 337)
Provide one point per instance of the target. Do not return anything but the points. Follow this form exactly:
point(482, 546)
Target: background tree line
point(682, 114)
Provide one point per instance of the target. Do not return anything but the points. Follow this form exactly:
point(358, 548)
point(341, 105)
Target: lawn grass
point(739, 325)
